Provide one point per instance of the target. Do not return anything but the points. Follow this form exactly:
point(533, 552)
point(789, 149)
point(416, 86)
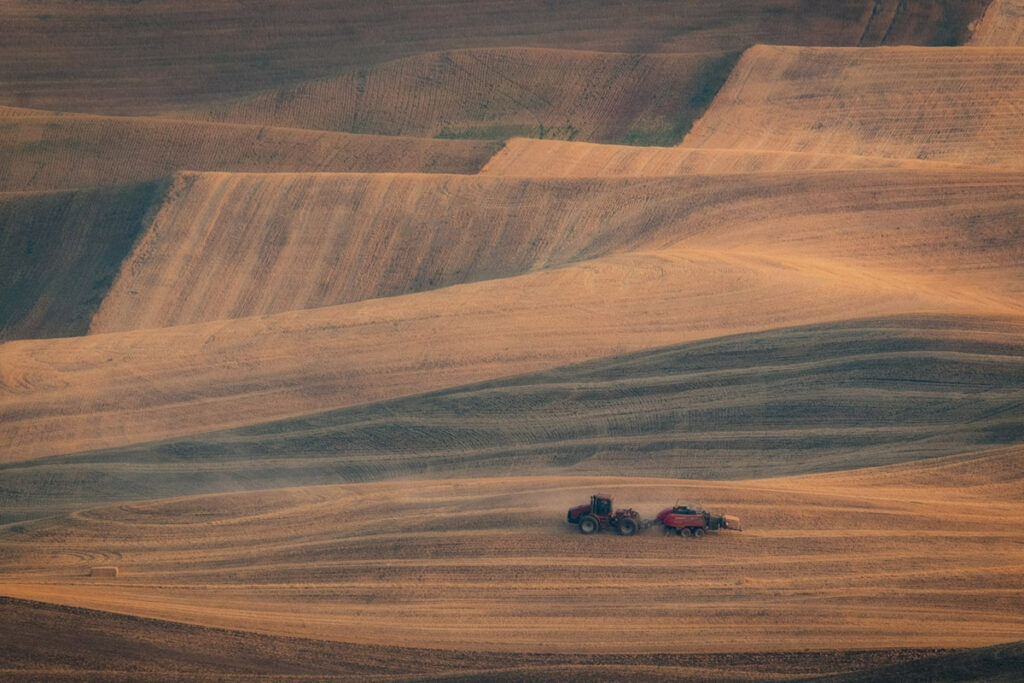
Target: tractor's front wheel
point(588, 525)
point(627, 526)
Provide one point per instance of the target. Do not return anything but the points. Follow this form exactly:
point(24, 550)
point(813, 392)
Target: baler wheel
point(698, 533)
point(684, 532)
point(589, 525)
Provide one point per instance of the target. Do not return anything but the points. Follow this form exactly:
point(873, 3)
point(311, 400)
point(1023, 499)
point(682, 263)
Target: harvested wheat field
point(259, 244)
point(528, 158)
point(489, 93)
point(878, 558)
point(960, 105)
point(141, 58)
point(48, 151)
point(123, 647)
point(767, 404)
point(317, 317)
point(102, 390)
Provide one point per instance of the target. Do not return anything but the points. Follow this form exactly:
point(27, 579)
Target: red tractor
point(598, 515)
point(689, 522)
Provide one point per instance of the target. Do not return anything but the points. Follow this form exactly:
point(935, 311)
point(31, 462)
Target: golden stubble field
point(533, 282)
point(494, 93)
point(201, 233)
point(51, 151)
point(144, 58)
point(957, 105)
point(887, 557)
point(75, 394)
point(532, 158)
point(253, 244)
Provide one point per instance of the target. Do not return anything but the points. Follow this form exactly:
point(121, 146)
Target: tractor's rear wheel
point(698, 533)
point(684, 532)
point(627, 526)
point(589, 525)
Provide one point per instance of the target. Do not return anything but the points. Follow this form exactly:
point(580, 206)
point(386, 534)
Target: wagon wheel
point(588, 525)
point(698, 533)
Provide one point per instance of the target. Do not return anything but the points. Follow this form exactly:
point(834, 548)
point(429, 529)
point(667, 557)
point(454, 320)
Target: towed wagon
point(688, 522)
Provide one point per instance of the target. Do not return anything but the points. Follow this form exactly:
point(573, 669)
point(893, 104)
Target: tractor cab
point(600, 509)
point(601, 505)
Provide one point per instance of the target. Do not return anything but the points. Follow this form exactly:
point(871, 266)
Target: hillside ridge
point(127, 386)
point(144, 58)
point(948, 104)
point(48, 150)
point(255, 244)
point(771, 403)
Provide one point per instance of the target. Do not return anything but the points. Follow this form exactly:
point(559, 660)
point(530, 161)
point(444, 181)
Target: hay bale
point(104, 572)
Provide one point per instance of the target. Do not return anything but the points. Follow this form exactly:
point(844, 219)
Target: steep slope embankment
point(60, 252)
point(958, 105)
point(766, 404)
point(137, 58)
point(230, 246)
point(498, 93)
point(45, 150)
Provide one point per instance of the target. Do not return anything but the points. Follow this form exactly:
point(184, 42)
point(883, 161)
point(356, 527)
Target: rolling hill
point(498, 93)
point(80, 393)
point(258, 244)
point(490, 564)
point(315, 316)
point(767, 404)
point(48, 151)
point(146, 57)
point(673, 267)
point(948, 104)
point(111, 645)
